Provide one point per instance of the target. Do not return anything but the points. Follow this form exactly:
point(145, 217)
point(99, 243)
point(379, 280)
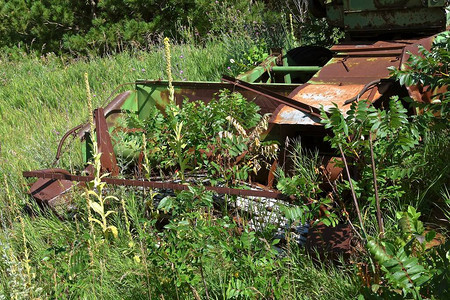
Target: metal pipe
point(63, 139)
point(306, 69)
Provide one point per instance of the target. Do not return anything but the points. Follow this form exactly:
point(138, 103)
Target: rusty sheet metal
point(351, 69)
point(317, 95)
point(111, 112)
point(44, 190)
point(334, 241)
point(295, 104)
point(46, 174)
point(356, 70)
point(361, 63)
point(156, 91)
point(413, 47)
point(256, 73)
point(424, 94)
point(418, 92)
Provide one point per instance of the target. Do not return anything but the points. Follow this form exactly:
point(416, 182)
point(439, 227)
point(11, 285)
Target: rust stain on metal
point(111, 111)
point(335, 240)
point(206, 91)
point(357, 70)
point(361, 63)
point(331, 168)
point(46, 174)
point(354, 67)
point(63, 139)
point(319, 95)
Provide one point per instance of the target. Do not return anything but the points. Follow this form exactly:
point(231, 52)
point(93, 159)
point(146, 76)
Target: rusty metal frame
point(48, 174)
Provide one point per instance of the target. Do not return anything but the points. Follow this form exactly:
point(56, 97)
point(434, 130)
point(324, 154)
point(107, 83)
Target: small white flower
point(232, 61)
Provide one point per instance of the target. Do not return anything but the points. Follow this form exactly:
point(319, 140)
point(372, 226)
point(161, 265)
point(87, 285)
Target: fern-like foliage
point(409, 268)
point(402, 271)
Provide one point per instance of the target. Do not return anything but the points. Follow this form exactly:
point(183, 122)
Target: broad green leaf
point(415, 269)
point(421, 280)
point(166, 203)
point(378, 252)
point(96, 207)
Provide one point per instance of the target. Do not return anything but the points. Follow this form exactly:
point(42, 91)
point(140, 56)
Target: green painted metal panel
point(335, 15)
point(364, 5)
point(395, 20)
point(131, 104)
point(86, 148)
point(387, 15)
point(255, 74)
point(145, 100)
point(436, 3)
point(287, 77)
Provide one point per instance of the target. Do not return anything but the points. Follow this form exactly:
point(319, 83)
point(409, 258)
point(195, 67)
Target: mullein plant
point(96, 186)
point(169, 69)
point(291, 24)
point(178, 144)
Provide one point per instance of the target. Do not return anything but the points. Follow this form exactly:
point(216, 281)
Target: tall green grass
point(43, 97)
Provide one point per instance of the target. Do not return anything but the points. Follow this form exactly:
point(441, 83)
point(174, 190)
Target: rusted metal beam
point(154, 184)
point(313, 111)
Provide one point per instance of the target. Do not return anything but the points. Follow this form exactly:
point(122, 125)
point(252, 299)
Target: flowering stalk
point(291, 23)
point(89, 99)
point(169, 69)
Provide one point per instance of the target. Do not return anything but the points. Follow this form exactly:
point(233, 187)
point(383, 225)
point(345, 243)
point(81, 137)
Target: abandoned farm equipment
point(291, 86)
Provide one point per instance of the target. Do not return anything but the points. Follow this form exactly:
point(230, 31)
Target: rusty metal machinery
point(292, 86)
point(363, 18)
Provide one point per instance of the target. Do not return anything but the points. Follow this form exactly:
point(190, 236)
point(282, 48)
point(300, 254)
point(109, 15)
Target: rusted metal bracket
point(108, 158)
point(153, 184)
point(303, 107)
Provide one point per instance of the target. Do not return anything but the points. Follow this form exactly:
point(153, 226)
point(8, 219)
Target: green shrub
point(102, 27)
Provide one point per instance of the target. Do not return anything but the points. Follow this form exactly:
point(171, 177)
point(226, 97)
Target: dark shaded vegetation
point(100, 27)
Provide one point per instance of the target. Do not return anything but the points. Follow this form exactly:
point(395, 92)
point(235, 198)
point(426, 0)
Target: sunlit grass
point(40, 99)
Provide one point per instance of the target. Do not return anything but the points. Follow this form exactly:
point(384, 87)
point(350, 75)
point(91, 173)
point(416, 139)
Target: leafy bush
point(200, 137)
point(392, 156)
point(303, 181)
